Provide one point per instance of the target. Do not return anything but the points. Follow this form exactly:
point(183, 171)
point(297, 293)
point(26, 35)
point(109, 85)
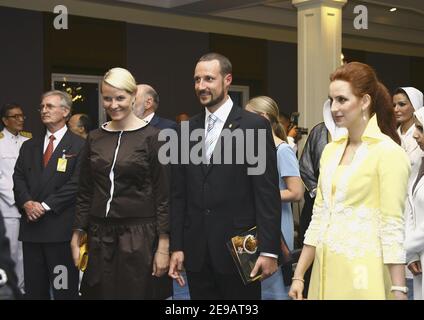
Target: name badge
point(61, 164)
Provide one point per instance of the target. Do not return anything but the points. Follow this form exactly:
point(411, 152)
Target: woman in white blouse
point(414, 241)
point(406, 100)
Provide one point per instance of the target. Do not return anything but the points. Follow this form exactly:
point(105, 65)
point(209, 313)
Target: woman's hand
point(160, 263)
point(296, 290)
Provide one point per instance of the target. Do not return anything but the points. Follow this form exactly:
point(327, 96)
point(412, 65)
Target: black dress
point(122, 204)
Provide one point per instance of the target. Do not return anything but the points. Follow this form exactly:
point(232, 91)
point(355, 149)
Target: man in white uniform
point(11, 139)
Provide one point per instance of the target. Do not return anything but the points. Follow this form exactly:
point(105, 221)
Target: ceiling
point(404, 25)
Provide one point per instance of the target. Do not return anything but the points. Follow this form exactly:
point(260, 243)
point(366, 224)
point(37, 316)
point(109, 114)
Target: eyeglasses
point(17, 117)
point(48, 107)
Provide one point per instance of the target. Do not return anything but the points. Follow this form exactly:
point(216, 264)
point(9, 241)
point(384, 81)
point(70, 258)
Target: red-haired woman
point(356, 235)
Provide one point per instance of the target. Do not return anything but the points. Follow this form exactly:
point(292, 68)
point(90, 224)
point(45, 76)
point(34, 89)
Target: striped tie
point(211, 136)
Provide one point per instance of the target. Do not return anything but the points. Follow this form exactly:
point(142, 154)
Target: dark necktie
point(49, 151)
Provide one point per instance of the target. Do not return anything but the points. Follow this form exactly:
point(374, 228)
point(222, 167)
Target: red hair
point(363, 80)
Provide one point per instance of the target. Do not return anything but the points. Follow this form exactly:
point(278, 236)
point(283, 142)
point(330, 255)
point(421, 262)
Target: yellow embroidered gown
point(357, 224)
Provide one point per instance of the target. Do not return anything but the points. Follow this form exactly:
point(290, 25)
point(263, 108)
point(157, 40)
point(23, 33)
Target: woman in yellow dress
point(355, 239)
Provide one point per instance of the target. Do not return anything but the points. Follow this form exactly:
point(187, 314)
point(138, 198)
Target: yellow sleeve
point(393, 173)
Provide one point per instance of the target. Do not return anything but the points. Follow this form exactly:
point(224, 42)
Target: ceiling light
point(393, 9)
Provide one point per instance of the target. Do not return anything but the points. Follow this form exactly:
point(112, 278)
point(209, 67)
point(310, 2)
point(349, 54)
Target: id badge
point(61, 164)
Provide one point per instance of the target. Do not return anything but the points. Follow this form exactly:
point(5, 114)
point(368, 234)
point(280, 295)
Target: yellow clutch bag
point(83, 257)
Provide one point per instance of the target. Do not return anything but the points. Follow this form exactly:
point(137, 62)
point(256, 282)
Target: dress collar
point(371, 133)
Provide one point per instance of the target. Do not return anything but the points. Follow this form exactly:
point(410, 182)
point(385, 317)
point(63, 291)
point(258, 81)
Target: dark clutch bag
point(243, 249)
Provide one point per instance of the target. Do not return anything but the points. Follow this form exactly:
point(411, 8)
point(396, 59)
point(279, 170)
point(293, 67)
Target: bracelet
point(161, 252)
point(300, 279)
point(403, 289)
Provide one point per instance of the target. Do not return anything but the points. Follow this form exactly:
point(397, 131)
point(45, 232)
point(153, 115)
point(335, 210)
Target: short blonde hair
point(121, 79)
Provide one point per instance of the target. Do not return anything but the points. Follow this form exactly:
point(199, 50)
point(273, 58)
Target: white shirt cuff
point(45, 206)
point(271, 255)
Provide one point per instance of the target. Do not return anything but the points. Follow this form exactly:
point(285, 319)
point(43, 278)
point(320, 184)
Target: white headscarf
point(415, 96)
point(335, 131)
point(420, 115)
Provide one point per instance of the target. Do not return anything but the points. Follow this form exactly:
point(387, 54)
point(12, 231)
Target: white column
point(319, 34)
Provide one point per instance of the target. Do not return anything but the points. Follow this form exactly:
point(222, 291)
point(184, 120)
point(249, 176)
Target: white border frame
point(82, 78)
point(244, 93)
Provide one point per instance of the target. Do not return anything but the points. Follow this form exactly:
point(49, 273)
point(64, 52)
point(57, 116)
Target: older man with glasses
point(45, 186)
point(11, 139)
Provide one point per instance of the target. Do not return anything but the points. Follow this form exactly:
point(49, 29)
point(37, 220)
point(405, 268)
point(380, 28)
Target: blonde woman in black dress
point(122, 202)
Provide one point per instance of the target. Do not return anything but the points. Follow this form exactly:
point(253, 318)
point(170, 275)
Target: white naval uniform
point(9, 152)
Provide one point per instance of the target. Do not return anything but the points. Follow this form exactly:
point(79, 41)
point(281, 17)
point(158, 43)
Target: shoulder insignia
point(26, 134)
point(1, 135)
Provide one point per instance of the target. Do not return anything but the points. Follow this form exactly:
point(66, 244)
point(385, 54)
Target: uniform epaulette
point(1, 135)
point(26, 134)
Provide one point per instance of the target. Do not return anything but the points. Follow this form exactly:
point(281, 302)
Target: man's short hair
point(224, 62)
point(152, 93)
point(7, 107)
point(84, 122)
point(65, 99)
point(4, 111)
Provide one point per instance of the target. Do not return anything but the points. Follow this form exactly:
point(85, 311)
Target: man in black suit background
point(146, 105)
point(213, 202)
point(45, 185)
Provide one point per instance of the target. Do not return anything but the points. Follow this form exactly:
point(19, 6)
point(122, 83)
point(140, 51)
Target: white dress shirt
point(58, 137)
point(221, 115)
point(149, 117)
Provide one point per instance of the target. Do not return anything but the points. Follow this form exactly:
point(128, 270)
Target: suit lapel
point(232, 123)
point(198, 123)
point(38, 147)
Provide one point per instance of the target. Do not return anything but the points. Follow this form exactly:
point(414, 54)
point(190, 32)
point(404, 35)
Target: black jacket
point(57, 189)
point(212, 203)
point(162, 123)
point(311, 155)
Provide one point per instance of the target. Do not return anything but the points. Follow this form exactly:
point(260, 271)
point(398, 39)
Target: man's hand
point(76, 240)
point(415, 268)
point(267, 265)
point(34, 210)
point(176, 266)
point(160, 263)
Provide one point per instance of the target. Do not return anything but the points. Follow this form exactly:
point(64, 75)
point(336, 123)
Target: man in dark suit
point(146, 105)
point(45, 185)
point(213, 202)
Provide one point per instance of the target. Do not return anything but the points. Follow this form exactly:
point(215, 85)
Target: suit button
point(208, 212)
